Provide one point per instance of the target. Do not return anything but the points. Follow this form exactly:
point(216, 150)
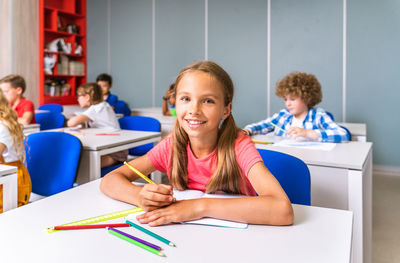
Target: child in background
point(99, 114)
point(207, 152)
point(169, 98)
point(12, 150)
point(301, 92)
point(13, 87)
point(105, 82)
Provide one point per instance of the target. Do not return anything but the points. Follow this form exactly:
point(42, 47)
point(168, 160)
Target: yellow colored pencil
point(139, 173)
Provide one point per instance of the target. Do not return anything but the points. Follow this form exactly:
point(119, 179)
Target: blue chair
point(50, 120)
point(347, 131)
point(330, 115)
point(52, 160)
point(140, 123)
point(292, 173)
point(106, 170)
point(53, 107)
point(122, 108)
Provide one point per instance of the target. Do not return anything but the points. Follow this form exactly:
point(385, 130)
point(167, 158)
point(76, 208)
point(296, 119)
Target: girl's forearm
point(120, 188)
point(262, 210)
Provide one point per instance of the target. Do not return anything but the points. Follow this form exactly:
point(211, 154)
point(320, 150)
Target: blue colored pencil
point(166, 241)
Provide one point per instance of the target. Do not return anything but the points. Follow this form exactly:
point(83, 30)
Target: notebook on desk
point(195, 194)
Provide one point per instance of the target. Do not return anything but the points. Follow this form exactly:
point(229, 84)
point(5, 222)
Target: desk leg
point(95, 165)
point(10, 191)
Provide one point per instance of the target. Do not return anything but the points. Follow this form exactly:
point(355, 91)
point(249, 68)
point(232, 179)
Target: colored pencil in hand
point(166, 241)
point(139, 173)
point(133, 240)
point(276, 126)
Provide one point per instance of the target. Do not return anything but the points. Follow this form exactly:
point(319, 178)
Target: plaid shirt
point(316, 119)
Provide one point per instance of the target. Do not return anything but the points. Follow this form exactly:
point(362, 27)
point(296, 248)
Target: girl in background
point(12, 150)
point(98, 114)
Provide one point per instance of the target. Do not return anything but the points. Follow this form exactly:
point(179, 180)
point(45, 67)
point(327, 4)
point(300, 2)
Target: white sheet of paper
point(325, 146)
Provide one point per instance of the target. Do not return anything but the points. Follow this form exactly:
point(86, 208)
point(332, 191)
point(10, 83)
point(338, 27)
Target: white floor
point(386, 218)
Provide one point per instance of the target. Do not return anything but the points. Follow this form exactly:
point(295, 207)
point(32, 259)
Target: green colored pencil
point(276, 126)
point(130, 240)
point(166, 241)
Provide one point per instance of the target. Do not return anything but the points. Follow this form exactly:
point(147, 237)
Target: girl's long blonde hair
point(227, 176)
point(10, 119)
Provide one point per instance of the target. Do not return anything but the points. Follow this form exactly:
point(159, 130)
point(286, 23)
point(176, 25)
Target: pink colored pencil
point(90, 226)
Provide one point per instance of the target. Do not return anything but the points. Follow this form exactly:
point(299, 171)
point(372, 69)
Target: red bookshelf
point(62, 36)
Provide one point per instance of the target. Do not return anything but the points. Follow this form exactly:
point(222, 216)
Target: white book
point(195, 194)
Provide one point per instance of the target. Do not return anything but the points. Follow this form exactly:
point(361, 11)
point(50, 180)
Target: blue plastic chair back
point(52, 160)
point(330, 115)
point(140, 123)
point(106, 170)
point(292, 173)
point(348, 132)
point(122, 108)
point(53, 107)
point(50, 120)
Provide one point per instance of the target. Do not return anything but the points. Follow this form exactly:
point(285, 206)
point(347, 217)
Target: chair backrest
point(348, 132)
point(140, 123)
point(53, 107)
point(292, 173)
point(52, 160)
point(330, 115)
point(122, 107)
point(50, 120)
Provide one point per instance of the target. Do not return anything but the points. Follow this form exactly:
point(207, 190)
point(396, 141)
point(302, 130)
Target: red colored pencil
point(90, 226)
point(106, 134)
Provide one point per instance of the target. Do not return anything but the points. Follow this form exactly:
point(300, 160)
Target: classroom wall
point(19, 44)
point(144, 44)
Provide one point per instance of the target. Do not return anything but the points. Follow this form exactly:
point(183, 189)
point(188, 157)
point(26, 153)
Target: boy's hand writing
point(153, 196)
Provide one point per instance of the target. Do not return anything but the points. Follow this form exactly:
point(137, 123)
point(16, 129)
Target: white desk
point(31, 128)
point(167, 122)
point(9, 180)
point(94, 146)
point(358, 131)
point(342, 179)
point(318, 235)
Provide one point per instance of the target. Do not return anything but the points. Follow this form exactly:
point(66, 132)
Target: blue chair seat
point(108, 169)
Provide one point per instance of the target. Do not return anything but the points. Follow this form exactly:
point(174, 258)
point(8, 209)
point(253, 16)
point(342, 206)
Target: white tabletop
point(318, 235)
point(155, 112)
point(94, 139)
point(7, 169)
point(349, 155)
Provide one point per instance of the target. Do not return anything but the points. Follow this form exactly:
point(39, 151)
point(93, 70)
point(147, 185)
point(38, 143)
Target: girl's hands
point(177, 212)
point(153, 196)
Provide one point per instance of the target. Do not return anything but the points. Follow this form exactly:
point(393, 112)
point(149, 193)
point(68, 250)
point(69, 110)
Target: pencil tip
point(172, 244)
point(161, 254)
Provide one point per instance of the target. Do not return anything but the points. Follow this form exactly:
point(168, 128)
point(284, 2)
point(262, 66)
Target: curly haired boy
point(301, 92)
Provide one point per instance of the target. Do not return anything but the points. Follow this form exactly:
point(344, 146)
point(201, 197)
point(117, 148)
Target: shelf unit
point(64, 20)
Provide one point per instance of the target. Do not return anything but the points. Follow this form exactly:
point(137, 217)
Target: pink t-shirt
point(201, 170)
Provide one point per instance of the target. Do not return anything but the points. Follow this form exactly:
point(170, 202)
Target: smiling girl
point(207, 152)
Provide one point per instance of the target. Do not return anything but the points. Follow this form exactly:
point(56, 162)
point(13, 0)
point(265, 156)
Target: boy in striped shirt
point(301, 92)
